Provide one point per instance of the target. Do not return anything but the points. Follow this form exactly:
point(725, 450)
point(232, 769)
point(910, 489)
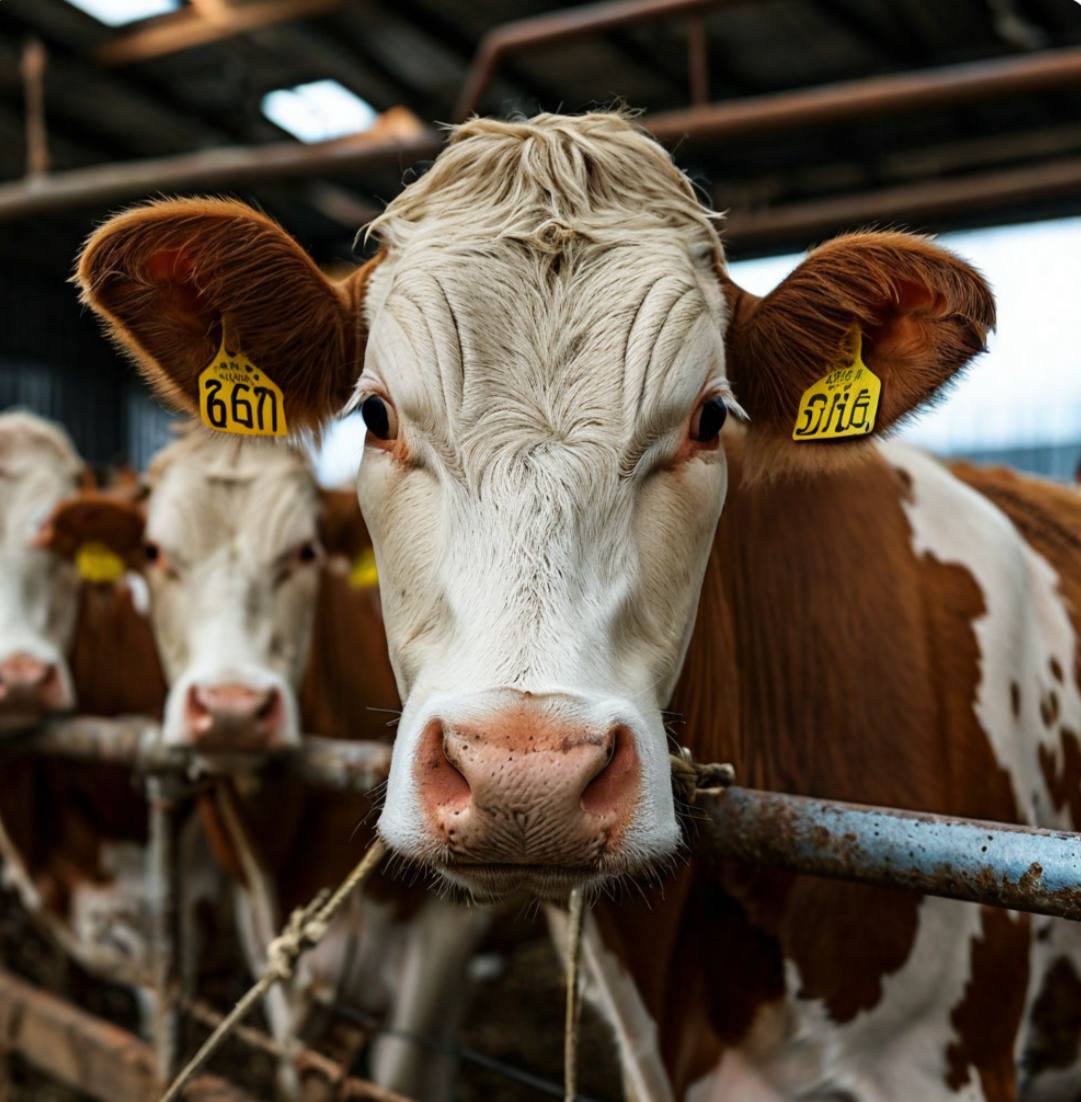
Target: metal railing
point(1001, 865)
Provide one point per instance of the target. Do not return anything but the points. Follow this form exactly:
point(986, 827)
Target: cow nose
point(30, 683)
point(523, 788)
point(234, 718)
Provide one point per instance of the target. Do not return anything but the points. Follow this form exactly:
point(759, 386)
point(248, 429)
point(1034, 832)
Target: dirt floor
point(510, 1048)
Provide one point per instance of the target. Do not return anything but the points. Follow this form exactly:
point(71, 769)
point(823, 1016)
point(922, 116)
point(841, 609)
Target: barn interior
point(798, 118)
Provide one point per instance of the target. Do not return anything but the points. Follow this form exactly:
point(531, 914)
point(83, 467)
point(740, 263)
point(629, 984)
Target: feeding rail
point(1002, 865)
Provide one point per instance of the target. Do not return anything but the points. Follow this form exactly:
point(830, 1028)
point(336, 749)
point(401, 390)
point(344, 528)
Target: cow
point(546, 350)
point(265, 611)
point(39, 467)
point(73, 834)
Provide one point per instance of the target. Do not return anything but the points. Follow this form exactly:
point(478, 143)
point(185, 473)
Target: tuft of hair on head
point(544, 181)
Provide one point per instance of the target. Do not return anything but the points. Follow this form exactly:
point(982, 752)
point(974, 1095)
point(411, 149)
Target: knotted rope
point(308, 925)
point(690, 778)
point(306, 928)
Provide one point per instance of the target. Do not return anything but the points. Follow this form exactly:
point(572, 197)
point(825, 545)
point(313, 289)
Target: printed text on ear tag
point(94, 562)
point(363, 574)
point(844, 402)
point(236, 396)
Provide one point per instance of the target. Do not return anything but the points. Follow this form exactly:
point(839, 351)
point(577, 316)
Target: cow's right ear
point(166, 276)
point(92, 522)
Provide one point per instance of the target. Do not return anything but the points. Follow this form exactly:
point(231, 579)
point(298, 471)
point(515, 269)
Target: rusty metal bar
point(1023, 868)
point(100, 1060)
point(135, 741)
point(1003, 865)
point(244, 165)
point(230, 166)
point(35, 59)
point(912, 91)
point(698, 59)
point(559, 26)
point(966, 195)
point(190, 27)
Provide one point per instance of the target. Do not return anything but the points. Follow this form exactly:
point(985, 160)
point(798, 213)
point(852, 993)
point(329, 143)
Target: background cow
point(264, 619)
point(545, 353)
point(39, 467)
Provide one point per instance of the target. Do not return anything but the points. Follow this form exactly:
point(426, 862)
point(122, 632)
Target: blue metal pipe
point(1023, 868)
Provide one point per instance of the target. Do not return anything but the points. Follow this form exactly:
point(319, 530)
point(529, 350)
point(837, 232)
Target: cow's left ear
point(897, 304)
point(92, 526)
point(184, 281)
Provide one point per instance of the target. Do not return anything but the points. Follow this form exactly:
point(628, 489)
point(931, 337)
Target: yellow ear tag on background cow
point(96, 563)
point(844, 402)
point(236, 396)
point(364, 574)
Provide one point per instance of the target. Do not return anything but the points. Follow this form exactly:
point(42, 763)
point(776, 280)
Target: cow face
point(38, 589)
point(232, 564)
point(544, 354)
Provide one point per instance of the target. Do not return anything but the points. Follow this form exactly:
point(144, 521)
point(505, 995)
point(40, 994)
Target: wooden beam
point(95, 1057)
point(202, 24)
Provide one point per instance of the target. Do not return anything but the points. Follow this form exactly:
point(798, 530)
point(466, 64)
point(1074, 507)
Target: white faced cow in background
point(544, 353)
point(232, 561)
point(39, 467)
point(235, 546)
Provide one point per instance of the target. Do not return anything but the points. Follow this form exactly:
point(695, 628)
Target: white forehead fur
point(546, 181)
point(551, 266)
point(208, 490)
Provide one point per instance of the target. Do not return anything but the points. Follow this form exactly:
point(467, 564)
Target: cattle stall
point(799, 120)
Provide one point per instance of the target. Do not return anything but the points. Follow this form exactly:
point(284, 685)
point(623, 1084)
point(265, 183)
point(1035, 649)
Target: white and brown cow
point(39, 467)
point(544, 352)
point(260, 623)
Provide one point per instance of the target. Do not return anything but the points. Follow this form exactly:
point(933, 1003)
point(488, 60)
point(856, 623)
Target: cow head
point(545, 353)
point(230, 554)
point(38, 589)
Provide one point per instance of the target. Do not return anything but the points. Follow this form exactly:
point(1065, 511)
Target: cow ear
point(342, 530)
point(911, 312)
point(94, 522)
point(168, 277)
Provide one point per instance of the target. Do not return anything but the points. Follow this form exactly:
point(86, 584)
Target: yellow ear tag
point(364, 574)
point(96, 563)
point(844, 402)
point(236, 396)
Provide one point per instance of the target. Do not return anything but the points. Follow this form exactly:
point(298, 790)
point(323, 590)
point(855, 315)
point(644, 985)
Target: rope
point(576, 911)
point(690, 777)
point(306, 927)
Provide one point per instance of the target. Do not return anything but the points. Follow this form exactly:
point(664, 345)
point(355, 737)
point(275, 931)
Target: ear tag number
point(236, 396)
point(94, 562)
point(364, 574)
point(844, 402)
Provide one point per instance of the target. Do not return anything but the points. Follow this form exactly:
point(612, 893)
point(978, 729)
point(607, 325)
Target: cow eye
point(151, 552)
point(307, 552)
point(708, 420)
point(379, 417)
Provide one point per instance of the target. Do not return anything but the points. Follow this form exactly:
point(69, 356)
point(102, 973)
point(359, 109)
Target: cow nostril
point(611, 783)
point(441, 778)
point(269, 705)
